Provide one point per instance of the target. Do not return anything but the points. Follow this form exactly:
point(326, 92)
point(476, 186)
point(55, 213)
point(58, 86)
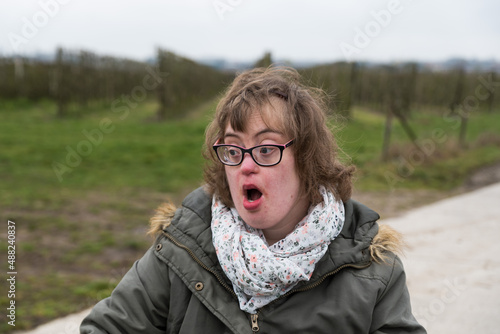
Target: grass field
point(81, 224)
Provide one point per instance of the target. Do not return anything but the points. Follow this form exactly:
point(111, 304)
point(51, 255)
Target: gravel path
point(451, 263)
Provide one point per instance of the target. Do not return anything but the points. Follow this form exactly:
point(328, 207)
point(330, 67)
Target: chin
point(254, 220)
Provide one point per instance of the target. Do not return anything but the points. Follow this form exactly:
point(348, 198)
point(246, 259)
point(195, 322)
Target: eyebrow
point(260, 133)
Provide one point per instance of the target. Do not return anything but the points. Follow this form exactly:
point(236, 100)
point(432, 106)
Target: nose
point(248, 165)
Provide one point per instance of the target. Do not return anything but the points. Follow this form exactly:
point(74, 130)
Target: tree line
point(76, 80)
point(403, 85)
point(82, 77)
point(399, 90)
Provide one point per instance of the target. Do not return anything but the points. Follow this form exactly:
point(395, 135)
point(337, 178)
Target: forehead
point(255, 128)
point(270, 115)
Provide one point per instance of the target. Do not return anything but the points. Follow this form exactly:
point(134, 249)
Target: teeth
point(253, 195)
point(249, 196)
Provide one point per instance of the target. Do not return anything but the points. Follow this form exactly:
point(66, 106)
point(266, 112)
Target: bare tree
point(265, 61)
point(398, 97)
point(456, 103)
point(491, 97)
point(62, 90)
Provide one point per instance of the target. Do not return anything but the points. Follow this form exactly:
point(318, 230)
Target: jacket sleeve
point(392, 313)
point(139, 304)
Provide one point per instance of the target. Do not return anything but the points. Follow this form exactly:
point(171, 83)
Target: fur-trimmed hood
point(162, 218)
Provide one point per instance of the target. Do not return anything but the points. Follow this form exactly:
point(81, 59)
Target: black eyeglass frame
point(249, 151)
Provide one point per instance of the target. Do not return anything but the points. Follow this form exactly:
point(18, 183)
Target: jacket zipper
point(255, 317)
point(190, 252)
point(255, 322)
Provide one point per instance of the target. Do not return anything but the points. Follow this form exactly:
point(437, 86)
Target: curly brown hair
point(302, 115)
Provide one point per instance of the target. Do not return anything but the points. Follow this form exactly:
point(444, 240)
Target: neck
point(280, 231)
point(274, 236)
point(271, 242)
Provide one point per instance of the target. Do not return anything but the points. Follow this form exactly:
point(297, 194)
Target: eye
point(233, 152)
point(266, 150)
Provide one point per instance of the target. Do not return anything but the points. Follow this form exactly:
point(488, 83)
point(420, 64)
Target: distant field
point(441, 164)
point(81, 225)
point(135, 152)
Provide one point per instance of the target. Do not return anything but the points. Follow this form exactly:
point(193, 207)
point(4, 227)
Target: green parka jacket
point(179, 287)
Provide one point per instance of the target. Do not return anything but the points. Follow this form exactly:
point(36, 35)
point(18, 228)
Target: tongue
point(254, 194)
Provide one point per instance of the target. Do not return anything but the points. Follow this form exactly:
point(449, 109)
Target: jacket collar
point(191, 226)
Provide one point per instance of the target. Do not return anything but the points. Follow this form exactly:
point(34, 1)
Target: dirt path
point(452, 262)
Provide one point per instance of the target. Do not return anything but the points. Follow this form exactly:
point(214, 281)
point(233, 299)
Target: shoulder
point(358, 213)
point(380, 245)
point(361, 223)
point(185, 228)
point(382, 272)
point(197, 206)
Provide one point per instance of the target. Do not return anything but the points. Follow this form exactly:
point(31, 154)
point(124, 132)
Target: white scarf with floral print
point(261, 273)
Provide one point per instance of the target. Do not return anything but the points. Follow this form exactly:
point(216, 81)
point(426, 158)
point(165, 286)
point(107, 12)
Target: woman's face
point(267, 198)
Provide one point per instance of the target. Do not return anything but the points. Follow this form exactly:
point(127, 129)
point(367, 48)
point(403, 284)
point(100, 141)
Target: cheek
point(228, 172)
point(287, 183)
point(231, 180)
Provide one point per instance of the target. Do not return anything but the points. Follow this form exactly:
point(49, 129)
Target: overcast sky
point(321, 30)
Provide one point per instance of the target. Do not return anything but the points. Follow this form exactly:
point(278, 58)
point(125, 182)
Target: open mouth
point(253, 195)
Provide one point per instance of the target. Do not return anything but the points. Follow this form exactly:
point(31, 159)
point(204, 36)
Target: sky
point(243, 30)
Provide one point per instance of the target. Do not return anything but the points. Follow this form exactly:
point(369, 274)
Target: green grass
point(78, 234)
point(136, 153)
point(442, 165)
point(94, 217)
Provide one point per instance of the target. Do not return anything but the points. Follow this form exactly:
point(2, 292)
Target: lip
point(251, 206)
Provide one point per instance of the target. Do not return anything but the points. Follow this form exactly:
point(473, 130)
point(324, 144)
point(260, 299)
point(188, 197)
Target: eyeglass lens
point(263, 155)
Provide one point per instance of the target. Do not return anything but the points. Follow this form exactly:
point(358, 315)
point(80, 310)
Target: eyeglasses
point(263, 155)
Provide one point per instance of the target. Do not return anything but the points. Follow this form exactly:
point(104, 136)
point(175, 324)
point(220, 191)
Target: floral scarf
point(261, 273)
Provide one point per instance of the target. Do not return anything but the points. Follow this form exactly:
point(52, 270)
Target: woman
point(272, 243)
